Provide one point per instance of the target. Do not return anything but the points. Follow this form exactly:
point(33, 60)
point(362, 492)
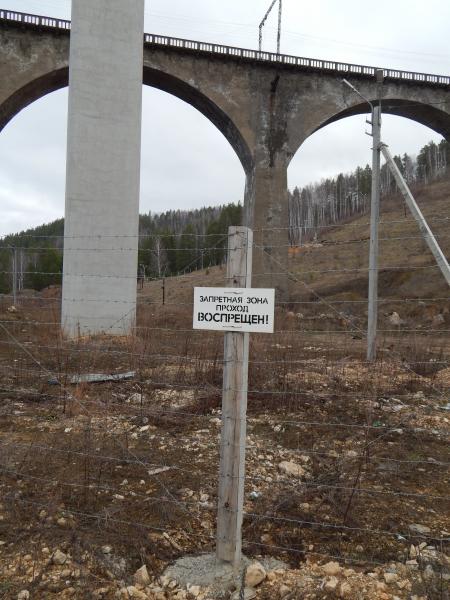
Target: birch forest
point(179, 241)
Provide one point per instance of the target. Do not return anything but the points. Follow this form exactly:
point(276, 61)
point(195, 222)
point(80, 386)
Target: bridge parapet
point(245, 54)
point(34, 20)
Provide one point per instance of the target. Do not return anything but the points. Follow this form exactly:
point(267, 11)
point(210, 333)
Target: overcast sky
point(186, 162)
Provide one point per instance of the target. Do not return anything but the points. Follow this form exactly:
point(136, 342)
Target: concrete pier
point(103, 167)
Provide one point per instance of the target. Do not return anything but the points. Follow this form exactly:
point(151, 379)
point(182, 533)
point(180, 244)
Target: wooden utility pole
point(234, 410)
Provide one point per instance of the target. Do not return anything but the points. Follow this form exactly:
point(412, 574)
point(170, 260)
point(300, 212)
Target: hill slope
point(329, 277)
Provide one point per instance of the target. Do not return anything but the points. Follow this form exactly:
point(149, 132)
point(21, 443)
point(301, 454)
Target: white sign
point(234, 309)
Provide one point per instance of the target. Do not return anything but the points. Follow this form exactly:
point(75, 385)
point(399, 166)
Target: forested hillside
point(180, 241)
point(333, 200)
point(171, 242)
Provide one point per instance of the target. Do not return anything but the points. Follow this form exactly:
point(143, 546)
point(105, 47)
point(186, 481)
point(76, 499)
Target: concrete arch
point(187, 93)
point(32, 91)
point(431, 116)
point(58, 79)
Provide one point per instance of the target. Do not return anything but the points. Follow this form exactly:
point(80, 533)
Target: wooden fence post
point(234, 410)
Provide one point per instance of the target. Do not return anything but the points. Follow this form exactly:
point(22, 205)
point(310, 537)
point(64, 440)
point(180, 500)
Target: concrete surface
point(103, 167)
point(206, 570)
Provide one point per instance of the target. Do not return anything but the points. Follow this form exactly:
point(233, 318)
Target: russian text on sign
point(234, 309)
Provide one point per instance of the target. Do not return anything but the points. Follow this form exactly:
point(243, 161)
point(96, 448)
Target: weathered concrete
point(206, 571)
point(264, 109)
point(103, 167)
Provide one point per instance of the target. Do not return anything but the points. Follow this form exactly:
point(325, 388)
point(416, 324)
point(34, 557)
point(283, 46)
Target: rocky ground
point(103, 486)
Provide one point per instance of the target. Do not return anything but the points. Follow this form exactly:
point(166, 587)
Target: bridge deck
point(219, 50)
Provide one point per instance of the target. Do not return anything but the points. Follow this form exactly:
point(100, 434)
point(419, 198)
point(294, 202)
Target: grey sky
point(186, 162)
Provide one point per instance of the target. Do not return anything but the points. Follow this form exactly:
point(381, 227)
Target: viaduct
point(266, 105)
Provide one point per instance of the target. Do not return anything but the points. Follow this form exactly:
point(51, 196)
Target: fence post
point(234, 410)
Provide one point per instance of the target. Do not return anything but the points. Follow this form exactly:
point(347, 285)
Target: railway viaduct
point(266, 105)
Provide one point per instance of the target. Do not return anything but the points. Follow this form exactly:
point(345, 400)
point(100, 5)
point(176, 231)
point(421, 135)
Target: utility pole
point(21, 270)
point(261, 25)
point(372, 320)
point(374, 216)
point(280, 11)
point(14, 274)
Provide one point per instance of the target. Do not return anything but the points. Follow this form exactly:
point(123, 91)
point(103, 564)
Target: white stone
point(255, 574)
point(291, 468)
point(195, 590)
point(394, 319)
point(23, 595)
point(133, 592)
point(59, 558)
point(135, 398)
point(331, 583)
point(331, 568)
point(390, 578)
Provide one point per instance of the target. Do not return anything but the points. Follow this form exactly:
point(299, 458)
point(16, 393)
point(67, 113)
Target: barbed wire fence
point(345, 460)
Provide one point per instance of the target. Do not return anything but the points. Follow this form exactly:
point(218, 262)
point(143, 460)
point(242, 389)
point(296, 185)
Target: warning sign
point(234, 309)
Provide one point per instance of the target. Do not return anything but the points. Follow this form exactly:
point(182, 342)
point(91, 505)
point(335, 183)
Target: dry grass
point(373, 439)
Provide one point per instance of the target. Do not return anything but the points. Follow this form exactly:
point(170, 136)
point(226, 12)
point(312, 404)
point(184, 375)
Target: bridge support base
point(103, 167)
point(266, 212)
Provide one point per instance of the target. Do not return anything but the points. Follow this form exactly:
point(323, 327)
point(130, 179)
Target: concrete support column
point(266, 212)
point(103, 166)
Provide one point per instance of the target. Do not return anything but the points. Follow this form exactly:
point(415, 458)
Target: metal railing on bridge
point(26, 19)
point(314, 64)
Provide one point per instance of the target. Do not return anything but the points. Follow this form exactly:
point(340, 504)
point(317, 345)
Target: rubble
point(255, 574)
point(141, 577)
point(291, 469)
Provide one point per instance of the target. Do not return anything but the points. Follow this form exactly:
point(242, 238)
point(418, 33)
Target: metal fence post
point(234, 410)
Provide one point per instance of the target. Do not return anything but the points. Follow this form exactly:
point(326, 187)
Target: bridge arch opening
point(339, 145)
point(57, 79)
point(433, 116)
point(32, 164)
point(330, 214)
point(187, 149)
point(329, 177)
